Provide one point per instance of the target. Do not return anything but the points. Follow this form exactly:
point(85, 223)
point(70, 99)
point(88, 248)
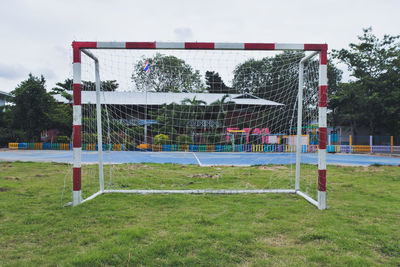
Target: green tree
point(221, 108)
point(60, 118)
point(7, 132)
point(334, 90)
point(167, 74)
point(168, 120)
point(267, 77)
point(108, 85)
point(215, 84)
point(32, 107)
point(374, 64)
point(161, 139)
point(65, 88)
point(273, 78)
point(35, 110)
point(184, 139)
point(193, 110)
point(193, 102)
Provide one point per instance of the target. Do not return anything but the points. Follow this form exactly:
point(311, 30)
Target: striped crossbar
point(199, 45)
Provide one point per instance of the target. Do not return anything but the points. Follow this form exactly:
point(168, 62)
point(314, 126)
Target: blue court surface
point(200, 158)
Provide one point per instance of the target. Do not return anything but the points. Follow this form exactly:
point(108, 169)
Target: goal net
point(258, 108)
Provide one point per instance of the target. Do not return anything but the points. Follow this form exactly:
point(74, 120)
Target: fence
point(336, 144)
point(40, 146)
point(370, 140)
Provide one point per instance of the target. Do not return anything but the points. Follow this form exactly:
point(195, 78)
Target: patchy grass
point(360, 228)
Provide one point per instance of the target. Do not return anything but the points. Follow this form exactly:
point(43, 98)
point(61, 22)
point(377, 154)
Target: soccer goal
point(259, 108)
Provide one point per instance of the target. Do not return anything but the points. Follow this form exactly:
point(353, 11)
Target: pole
point(370, 143)
point(300, 118)
point(391, 144)
point(77, 126)
point(99, 127)
point(322, 126)
point(98, 119)
point(145, 118)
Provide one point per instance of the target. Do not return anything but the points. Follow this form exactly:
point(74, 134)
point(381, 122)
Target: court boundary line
point(198, 160)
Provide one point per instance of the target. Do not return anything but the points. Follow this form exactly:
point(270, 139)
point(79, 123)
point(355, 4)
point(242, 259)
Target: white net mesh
point(235, 107)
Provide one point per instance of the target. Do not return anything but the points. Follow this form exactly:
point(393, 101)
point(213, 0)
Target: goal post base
point(307, 197)
point(76, 197)
point(208, 191)
point(203, 191)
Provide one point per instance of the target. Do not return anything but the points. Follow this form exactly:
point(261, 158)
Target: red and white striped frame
point(77, 126)
point(322, 125)
point(194, 45)
point(77, 85)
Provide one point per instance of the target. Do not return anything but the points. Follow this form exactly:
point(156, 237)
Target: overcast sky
point(36, 35)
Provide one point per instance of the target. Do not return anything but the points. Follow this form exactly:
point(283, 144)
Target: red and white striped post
point(77, 125)
point(322, 125)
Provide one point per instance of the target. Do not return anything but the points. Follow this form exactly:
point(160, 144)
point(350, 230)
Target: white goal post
point(86, 49)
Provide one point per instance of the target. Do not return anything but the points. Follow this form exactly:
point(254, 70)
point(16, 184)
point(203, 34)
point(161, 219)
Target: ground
point(360, 227)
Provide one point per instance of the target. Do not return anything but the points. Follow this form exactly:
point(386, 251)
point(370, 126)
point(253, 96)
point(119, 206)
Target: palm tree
point(193, 111)
point(193, 102)
point(221, 107)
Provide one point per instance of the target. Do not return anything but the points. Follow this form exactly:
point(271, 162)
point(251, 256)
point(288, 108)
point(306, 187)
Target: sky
point(36, 35)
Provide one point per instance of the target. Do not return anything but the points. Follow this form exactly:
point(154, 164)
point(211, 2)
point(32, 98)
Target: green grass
point(360, 228)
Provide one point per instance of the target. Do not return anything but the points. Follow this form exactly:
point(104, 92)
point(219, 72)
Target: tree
point(221, 107)
point(35, 110)
point(7, 132)
point(193, 110)
point(167, 120)
point(334, 89)
point(264, 77)
point(216, 85)
point(193, 102)
point(60, 118)
point(273, 78)
point(374, 64)
point(65, 88)
point(167, 74)
point(32, 106)
point(107, 86)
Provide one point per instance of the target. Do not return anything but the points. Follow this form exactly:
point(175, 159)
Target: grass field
point(361, 226)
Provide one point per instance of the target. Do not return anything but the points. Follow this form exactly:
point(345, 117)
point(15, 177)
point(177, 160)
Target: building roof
point(155, 98)
point(4, 94)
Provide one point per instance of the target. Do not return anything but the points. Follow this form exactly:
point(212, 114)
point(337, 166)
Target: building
point(158, 99)
point(140, 108)
point(3, 97)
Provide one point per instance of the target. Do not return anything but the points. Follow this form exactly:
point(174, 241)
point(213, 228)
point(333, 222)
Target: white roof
point(155, 98)
point(4, 94)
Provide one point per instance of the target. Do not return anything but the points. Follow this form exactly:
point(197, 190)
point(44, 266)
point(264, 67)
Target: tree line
point(371, 98)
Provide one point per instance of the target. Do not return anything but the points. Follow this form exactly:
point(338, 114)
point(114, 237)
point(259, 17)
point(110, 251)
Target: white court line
point(194, 154)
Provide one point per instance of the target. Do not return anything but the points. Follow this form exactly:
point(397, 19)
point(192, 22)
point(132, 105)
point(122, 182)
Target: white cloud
point(12, 71)
point(183, 34)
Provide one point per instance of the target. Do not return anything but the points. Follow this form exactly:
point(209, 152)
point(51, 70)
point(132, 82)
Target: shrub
point(62, 139)
point(10, 136)
point(130, 146)
point(89, 138)
point(214, 138)
point(184, 139)
point(161, 139)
